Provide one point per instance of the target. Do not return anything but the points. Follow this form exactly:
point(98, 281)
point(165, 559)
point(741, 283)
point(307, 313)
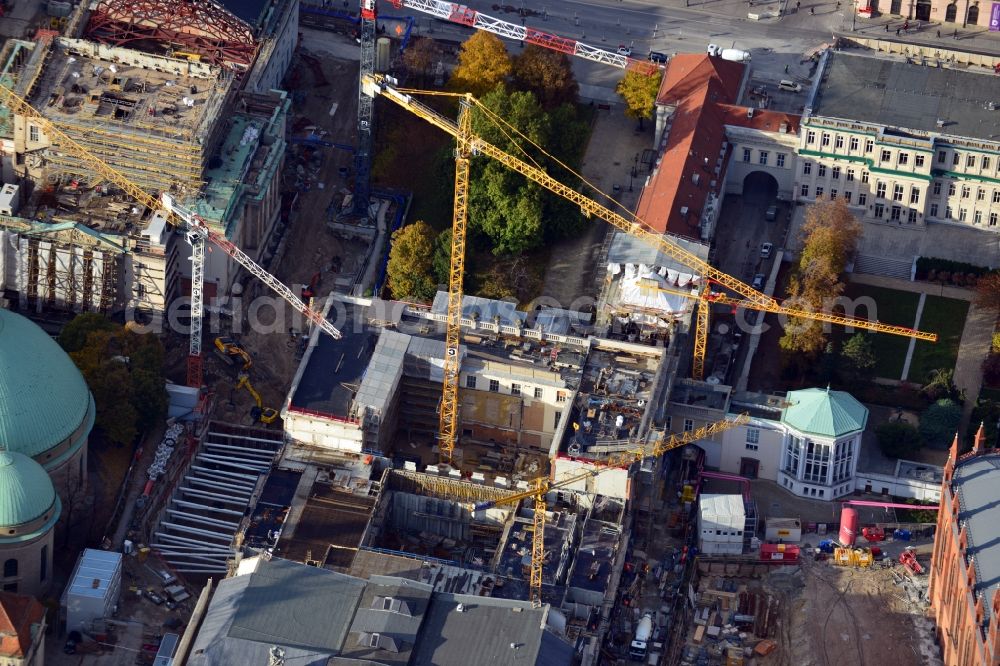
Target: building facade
point(891, 165)
point(965, 565)
point(22, 630)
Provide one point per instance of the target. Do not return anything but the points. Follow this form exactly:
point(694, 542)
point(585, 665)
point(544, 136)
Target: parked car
point(765, 250)
point(758, 281)
point(772, 213)
point(789, 86)
point(624, 50)
point(154, 597)
point(657, 57)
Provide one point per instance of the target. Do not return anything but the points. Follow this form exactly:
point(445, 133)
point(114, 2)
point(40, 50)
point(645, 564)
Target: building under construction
point(169, 106)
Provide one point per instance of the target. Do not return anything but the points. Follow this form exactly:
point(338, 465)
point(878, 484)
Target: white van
point(789, 86)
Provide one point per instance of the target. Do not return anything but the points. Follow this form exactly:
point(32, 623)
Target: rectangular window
point(470, 381)
point(993, 219)
point(839, 143)
point(902, 159)
point(951, 189)
point(869, 145)
point(494, 386)
point(555, 421)
point(854, 143)
point(954, 158)
point(963, 214)
point(810, 137)
point(847, 195)
point(996, 196)
point(942, 156)
point(746, 154)
point(864, 176)
point(538, 393)
point(919, 161)
point(970, 161)
point(880, 190)
point(977, 217)
point(986, 162)
point(780, 157)
point(862, 198)
point(822, 171)
point(911, 217)
point(835, 172)
point(819, 192)
point(560, 396)
point(897, 192)
point(937, 187)
point(980, 194)
point(825, 140)
point(807, 168)
point(33, 133)
point(914, 195)
point(762, 157)
point(753, 435)
point(752, 447)
point(833, 193)
point(688, 425)
point(850, 175)
point(886, 155)
point(966, 191)
point(948, 213)
point(896, 212)
point(515, 389)
point(804, 191)
point(879, 211)
point(934, 210)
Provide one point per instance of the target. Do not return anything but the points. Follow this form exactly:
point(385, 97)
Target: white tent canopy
point(642, 288)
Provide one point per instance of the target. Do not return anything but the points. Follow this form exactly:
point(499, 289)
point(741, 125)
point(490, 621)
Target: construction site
point(470, 444)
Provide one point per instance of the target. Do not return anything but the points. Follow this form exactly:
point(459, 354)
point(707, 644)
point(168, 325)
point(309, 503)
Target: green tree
point(988, 291)
point(408, 274)
point(991, 370)
point(441, 262)
point(940, 384)
point(73, 336)
point(859, 354)
point(939, 423)
point(829, 238)
point(483, 64)
point(639, 91)
point(546, 73)
point(898, 439)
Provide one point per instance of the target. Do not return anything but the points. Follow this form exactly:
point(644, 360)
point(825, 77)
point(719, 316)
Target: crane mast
point(363, 155)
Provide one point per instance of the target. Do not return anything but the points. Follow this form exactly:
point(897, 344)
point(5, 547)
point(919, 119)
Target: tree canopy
point(546, 73)
point(988, 291)
point(898, 439)
point(483, 64)
point(830, 236)
point(859, 354)
point(639, 90)
point(421, 54)
point(409, 274)
point(124, 371)
point(939, 423)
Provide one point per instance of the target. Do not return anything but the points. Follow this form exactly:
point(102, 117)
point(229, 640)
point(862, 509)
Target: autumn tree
point(859, 354)
point(546, 73)
point(829, 238)
point(988, 291)
point(409, 274)
point(421, 55)
point(483, 64)
point(639, 91)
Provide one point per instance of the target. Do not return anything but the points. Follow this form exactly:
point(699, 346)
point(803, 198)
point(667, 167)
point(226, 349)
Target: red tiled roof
point(696, 84)
point(18, 612)
point(763, 119)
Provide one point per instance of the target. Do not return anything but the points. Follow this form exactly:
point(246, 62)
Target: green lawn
point(891, 307)
point(946, 317)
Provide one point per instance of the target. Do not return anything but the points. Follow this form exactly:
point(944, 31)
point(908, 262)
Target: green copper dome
point(43, 398)
point(26, 490)
point(824, 412)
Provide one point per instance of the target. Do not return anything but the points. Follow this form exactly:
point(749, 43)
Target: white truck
point(736, 55)
point(643, 632)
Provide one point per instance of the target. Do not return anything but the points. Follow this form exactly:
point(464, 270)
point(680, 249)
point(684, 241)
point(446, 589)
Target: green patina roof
point(43, 397)
point(26, 490)
point(824, 412)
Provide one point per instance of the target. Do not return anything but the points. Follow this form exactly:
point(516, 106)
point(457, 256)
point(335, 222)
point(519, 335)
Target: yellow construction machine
point(259, 412)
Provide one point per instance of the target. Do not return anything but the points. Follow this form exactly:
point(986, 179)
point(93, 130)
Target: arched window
point(10, 568)
point(950, 12)
point(973, 18)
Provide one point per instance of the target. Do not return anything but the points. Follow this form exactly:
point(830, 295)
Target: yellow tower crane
point(468, 143)
point(541, 486)
point(707, 298)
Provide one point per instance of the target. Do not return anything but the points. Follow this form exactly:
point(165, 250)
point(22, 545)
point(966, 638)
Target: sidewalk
point(972, 350)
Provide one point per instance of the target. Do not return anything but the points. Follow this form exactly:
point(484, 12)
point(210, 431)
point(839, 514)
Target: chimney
point(978, 444)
